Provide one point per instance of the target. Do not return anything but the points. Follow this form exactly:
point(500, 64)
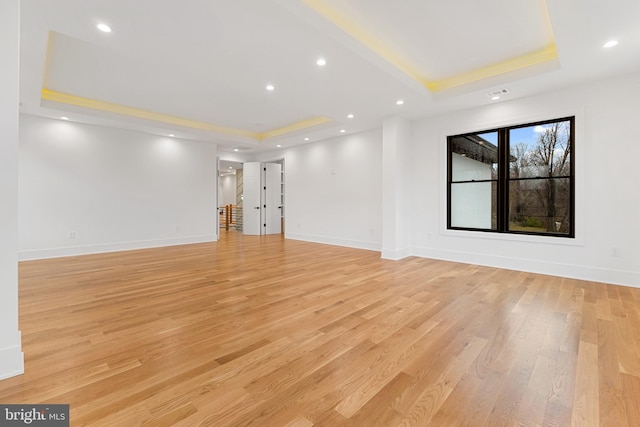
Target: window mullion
point(503, 180)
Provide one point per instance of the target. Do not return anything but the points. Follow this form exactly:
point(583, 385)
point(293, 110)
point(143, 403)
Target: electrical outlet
point(72, 234)
point(615, 252)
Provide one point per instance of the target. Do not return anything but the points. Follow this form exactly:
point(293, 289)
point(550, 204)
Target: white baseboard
point(34, 254)
point(396, 254)
point(12, 358)
point(328, 240)
point(581, 272)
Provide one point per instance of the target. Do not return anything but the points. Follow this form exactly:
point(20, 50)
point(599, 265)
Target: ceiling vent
point(498, 93)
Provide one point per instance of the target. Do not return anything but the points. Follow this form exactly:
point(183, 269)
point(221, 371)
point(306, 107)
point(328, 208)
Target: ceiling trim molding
point(93, 104)
point(545, 54)
point(303, 124)
point(548, 53)
point(361, 35)
point(78, 101)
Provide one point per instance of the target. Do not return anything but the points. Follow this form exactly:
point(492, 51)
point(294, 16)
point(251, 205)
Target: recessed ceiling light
point(104, 28)
point(321, 62)
point(342, 131)
point(399, 102)
point(610, 43)
point(495, 98)
point(306, 139)
point(278, 145)
point(64, 118)
point(171, 135)
point(235, 149)
point(270, 87)
point(230, 167)
point(350, 116)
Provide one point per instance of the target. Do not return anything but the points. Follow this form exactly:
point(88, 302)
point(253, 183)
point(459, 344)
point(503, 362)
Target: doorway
point(229, 197)
point(263, 197)
point(251, 196)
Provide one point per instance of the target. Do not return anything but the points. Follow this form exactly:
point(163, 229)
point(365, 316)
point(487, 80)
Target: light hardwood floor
point(265, 331)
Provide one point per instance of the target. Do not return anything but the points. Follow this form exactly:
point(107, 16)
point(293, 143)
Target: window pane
point(514, 179)
point(540, 150)
point(473, 205)
point(474, 157)
point(540, 205)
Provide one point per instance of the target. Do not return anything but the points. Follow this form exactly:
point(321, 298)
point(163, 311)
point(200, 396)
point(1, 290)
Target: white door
point(217, 198)
point(251, 207)
point(273, 198)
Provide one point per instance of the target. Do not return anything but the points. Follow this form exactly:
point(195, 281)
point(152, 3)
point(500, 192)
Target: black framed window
point(516, 179)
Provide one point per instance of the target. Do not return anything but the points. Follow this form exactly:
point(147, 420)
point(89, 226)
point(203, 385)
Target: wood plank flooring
point(263, 331)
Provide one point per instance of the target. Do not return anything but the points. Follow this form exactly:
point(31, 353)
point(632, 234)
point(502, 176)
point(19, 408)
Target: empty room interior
point(321, 212)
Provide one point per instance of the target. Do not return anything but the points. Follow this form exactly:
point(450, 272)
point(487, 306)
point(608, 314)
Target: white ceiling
point(198, 68)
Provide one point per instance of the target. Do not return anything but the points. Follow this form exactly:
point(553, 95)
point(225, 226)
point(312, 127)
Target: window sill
point(523, 238)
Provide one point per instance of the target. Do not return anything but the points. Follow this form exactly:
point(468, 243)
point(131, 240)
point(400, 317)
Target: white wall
point(86, 189)
point(608, 202)
point(396, 180)
point(11, 358)
point(333, 191)
point(227, 190)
